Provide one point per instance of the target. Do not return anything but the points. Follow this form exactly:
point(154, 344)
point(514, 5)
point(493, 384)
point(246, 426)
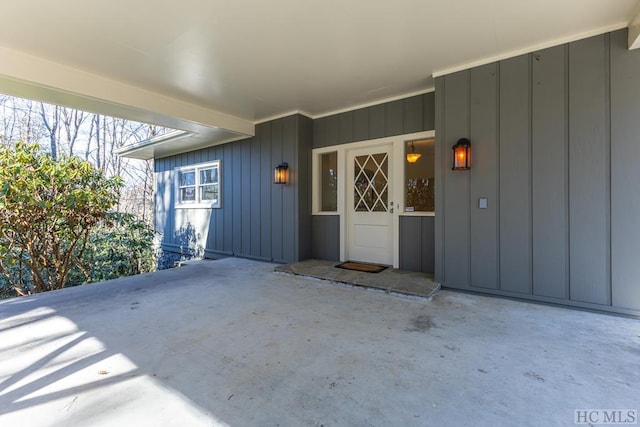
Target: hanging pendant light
point(413, 157)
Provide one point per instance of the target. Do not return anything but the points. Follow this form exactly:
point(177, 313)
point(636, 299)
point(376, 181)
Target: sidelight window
point(419, 175)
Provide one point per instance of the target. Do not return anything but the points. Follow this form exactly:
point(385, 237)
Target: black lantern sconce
point(281, 173)
point(462, 155)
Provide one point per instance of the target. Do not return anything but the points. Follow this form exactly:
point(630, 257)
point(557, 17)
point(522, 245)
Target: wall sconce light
point(281, 173)
point(413, 157)
point(462, 155)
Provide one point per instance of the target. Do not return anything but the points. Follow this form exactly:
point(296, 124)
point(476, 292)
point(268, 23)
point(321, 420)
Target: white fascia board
point(162, 139)
point(178, 145)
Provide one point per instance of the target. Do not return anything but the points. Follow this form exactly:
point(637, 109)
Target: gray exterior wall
point(258, 219)
point(261, 220)
point(326, 237)
point(417, 243)
point(408, 115)
point(555, 149)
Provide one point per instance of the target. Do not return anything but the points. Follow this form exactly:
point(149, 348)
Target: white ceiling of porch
point(243, 61)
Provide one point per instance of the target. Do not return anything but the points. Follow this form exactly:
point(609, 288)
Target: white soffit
point(36, 78)
point(201, 65)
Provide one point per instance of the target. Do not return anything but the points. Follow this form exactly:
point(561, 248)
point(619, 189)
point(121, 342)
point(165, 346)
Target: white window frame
point(198, 203)
point(316, 203)
point(404, 212)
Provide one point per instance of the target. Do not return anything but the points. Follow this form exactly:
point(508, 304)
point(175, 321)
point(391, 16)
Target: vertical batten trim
point(442, 179)
point(469, 272)
point(607, 53)
point(250, 189)
point(530, 183)
point(499, 165)
point(497, 181)
point(298, 173)
point(281, 189)
point(246, 180)
point(439, 208)
point(256, 141)
point(439, 273)
point(421, 220)
point(567, 173)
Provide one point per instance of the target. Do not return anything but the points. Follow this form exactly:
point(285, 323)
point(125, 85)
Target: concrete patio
point(231, 342)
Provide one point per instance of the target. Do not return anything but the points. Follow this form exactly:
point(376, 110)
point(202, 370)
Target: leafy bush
point(48, 209)
point(120, 245)
point(16, 272)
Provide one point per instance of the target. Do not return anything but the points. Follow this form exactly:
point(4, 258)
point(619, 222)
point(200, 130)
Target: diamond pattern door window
point(371, 183)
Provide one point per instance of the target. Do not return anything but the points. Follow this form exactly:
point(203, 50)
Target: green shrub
point(55, 229)
point(47, 210)
point(120, 245)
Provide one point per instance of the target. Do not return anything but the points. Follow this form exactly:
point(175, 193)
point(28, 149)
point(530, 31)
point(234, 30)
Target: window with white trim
point(419, 175)
point(329, 182)
point(199, 185)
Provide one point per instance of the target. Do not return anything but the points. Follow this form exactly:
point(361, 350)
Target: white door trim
point(398, 180)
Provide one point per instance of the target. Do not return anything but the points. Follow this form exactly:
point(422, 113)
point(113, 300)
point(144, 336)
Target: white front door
point(369, 205)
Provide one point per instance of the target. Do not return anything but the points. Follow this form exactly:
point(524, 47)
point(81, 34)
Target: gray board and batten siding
point(403, 116)
point(325, 237)
point(555, 140)
point(265, 221)
point(258, 219)
point(417, 243)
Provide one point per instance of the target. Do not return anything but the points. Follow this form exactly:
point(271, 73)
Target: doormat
point(360, 266)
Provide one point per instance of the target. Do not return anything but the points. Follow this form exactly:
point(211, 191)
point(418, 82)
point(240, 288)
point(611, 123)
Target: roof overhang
point(176, 142)
point(43, 80)
point(187, 68)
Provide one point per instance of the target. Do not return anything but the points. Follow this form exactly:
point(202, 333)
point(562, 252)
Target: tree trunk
point(52, 128)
